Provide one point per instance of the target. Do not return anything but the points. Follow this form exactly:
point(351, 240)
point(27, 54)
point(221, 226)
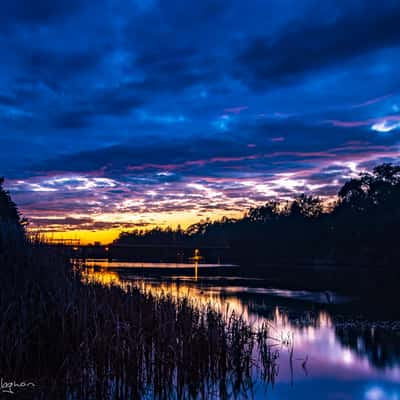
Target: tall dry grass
point(88, 341)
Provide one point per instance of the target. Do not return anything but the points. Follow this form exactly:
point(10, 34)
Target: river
point(330, 356)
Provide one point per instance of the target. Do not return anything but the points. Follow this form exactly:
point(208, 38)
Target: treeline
point(12, 224)
point(361, 227)
point(8, 209)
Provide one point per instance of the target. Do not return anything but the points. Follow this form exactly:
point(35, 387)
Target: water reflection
point(329, 360)
point(104, 277)
point(380, 345)
point(105, 263)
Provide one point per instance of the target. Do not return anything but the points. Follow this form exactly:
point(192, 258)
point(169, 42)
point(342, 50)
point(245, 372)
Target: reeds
point(89, 341)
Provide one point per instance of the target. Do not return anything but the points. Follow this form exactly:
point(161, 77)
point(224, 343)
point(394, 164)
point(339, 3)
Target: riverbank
point(89, 341)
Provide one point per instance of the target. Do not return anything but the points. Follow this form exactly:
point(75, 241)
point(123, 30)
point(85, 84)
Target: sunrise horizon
point(107, 236)
point(50, 227)
point(105, 227)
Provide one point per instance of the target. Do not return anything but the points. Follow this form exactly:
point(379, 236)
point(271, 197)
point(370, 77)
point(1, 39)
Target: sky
point(117, 115)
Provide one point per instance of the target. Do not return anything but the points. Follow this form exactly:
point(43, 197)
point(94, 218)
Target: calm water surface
point(333, 358)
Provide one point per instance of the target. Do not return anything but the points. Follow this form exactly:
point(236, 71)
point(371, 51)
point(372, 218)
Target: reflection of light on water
point(378, 393)
point(314, 339)
point(324, 320)
point(106, 263)
point(104, 277)
point(311, 333)
point(331, 338)
point(348, 357)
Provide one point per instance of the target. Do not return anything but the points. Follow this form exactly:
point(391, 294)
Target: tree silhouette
point(267, 212)
point(360, 229)
point(306, 206)
point(8, 209)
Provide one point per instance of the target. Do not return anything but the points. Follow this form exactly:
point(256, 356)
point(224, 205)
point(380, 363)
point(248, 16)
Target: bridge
point(173, 251)
point(64, 242)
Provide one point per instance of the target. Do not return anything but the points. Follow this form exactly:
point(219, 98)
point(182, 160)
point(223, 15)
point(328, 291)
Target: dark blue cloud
point(302, 48)
point(33, 12)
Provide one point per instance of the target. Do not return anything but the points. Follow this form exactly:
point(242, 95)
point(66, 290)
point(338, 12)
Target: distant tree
point(8, 209)
point(267, 212)
point(388, 173)
point(199, 228)
point(384, 185)
point(371, 190)
point(306, 206)
point(354, 193)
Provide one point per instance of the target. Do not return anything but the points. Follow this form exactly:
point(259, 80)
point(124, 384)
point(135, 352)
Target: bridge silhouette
point(77, 242)
point(179, 251)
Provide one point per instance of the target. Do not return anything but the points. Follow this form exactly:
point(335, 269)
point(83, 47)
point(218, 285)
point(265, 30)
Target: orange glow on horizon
point(163, 220)
point(107, 236)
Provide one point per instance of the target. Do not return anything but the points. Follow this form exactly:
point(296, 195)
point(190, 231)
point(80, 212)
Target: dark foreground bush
point(88, 341)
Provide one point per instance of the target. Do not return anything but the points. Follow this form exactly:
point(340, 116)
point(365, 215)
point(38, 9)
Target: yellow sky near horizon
point(106, 236)
point(115, 223)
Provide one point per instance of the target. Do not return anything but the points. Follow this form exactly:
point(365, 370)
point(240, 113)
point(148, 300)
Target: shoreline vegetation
point(89, 341)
